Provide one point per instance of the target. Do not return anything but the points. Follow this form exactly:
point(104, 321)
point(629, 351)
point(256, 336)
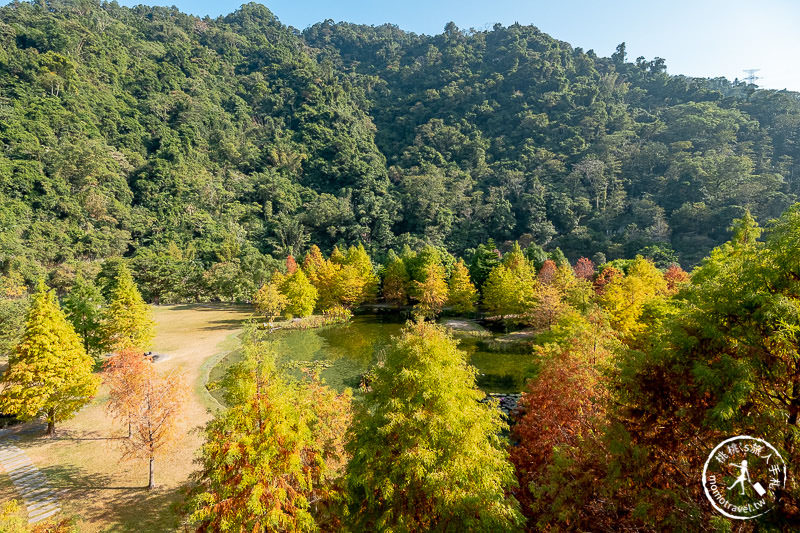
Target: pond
point(350, 349)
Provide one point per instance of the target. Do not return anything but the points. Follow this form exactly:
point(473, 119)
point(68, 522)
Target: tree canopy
point(206, 150)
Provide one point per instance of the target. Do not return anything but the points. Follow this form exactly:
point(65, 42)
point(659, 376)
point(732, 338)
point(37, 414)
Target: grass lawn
point(83, 459)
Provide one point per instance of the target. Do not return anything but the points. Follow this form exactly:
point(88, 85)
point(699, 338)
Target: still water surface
point(348, 350)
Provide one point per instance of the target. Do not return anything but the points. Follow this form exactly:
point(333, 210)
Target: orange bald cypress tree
point(125, 374)
point(158, 409)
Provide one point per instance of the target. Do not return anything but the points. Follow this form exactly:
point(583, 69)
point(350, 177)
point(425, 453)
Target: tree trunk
point(51, 423)
point(794, 414)
point(151, 483)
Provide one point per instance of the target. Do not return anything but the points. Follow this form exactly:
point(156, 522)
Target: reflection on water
point(348, 351)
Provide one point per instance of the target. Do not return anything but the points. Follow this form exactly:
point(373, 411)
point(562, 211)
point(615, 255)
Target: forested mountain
point(207, 147)
point(510, 131)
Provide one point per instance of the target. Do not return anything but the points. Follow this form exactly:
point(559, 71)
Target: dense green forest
point(631, 236)
point(204, 149)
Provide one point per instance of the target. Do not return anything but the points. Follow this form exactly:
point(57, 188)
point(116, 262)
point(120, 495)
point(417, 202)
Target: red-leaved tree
point(605, 277)
point(675, 277)
point(291, 265)
point(547, 274)
point(561, 409)
point(584, 268)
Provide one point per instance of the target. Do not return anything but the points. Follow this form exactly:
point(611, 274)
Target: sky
point(705, 38)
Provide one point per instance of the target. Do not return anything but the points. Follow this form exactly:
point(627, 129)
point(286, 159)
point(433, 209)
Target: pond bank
point(345, 352)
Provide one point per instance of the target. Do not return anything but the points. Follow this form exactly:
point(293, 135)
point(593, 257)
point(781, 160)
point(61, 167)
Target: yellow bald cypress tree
point(431, 294)
point(50, 373)
point(463, 295)
point(128, 322)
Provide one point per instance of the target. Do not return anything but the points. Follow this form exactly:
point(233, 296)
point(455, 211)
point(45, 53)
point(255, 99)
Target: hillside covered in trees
point(204, 149)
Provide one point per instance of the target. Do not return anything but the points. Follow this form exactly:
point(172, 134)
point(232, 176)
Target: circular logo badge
point(741, 475)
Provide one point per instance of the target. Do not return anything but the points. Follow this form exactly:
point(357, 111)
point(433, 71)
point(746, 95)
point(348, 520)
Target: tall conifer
point(128, 322)
point(50, 373)
point(427, 455)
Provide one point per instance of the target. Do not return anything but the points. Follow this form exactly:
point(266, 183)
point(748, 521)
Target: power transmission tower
point(751, 75)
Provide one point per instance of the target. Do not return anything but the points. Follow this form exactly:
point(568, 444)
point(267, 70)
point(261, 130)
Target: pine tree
point(50, 373)
point(558, 257)
point(547, 274)
point(499, 292)
point(606, 276)
point(337, 257)
point(510, 290)
point(349, 287)
point(427, 455)
point(312, 262)
point(431, 293)
point(83, 306)
point(14, 305)
point(358, 258)
point(584, 268)
point(515, 260)
point(675, 277)
point(127, 322)
point(463, 294)
point(625, 297)
point(327, 279)
point(291, 264)
point(484, 260)
point(561, 409)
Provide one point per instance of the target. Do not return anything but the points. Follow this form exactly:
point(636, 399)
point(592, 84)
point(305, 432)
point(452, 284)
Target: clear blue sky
point(697, 38)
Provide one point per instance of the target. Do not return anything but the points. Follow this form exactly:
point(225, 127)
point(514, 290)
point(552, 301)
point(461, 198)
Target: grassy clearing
point(109, 495)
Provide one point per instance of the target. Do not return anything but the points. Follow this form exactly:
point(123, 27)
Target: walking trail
point(40, 500)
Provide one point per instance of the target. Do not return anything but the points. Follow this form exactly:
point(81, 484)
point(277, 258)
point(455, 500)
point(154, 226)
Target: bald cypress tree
point(426, 454)
point(128, 322)
point(462, 294)
point(50, 373)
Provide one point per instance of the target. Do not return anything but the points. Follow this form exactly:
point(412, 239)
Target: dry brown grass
point(83, 459)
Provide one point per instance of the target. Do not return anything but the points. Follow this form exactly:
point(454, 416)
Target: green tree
point(127, 322)
point(510, 288)
point(270, 301)
point(274, 460)
point(431, 293)
point(84, 306)
point(500, 292)
point(485, 258)
point(358, 258)
point(625, 297)
point(14, 304)
point(49, 374)
point(301, 295)
point(426, 454)
point(462, 293)
point(395, 280)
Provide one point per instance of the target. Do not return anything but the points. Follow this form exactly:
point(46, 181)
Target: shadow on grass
point(213, 307)
point(128, 508)
point(231, 323)
point(68, 434)
point(31, 435)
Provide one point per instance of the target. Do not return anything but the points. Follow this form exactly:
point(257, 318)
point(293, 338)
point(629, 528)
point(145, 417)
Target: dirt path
point(82, 461)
